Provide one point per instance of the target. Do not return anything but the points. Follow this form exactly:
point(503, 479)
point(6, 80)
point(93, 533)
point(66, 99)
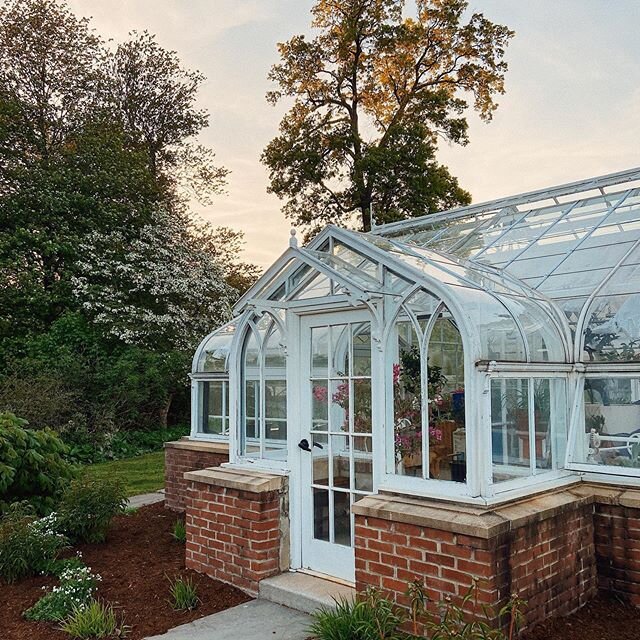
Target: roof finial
point(371, 216)
point(293, 241)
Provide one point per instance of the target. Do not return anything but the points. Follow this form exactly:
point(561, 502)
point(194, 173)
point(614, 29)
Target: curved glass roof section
point(212, 356)
point(565, 243)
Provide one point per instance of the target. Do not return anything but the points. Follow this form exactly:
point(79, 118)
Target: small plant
point(368, 617)
point(130, 511)
point(76, 588)
point(179, 532)
point(418, 600)
point(28, 545)
point(87, 507)
point(184, 595)
point(95, 620)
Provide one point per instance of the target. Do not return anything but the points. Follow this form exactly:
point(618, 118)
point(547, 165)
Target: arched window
point(427, 374)
point(264, 391)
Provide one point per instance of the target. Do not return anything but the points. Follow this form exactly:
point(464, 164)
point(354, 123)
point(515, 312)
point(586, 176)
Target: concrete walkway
point(255, 620)
point(144, 499)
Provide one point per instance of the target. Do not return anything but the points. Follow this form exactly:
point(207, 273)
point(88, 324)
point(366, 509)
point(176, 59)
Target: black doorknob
point(304, 444)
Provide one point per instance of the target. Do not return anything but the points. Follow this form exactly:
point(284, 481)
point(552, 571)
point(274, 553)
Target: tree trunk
point(164, 411)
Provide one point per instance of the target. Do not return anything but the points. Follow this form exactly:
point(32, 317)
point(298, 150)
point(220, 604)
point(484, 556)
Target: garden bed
point(604, 618)
point(135, 563)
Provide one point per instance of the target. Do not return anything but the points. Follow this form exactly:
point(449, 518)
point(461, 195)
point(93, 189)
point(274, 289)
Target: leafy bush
point(95, 620)
point(179, 532)
point(28, 545)
point(372, 617)
point(184, 594)
point(368, 617)
point(33, 466)
point(87, 507)
point(76, 588)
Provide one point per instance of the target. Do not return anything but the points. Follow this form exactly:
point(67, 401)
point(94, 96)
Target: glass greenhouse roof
point(566, 243)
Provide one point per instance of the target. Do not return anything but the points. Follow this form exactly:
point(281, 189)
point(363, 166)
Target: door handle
point(317, 444)
point(304, 444)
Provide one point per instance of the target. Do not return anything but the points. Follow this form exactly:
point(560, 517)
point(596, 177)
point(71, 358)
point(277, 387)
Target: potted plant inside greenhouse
point(448, 394)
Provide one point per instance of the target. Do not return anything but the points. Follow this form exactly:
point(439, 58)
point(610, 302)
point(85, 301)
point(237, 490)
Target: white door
point(336, 446)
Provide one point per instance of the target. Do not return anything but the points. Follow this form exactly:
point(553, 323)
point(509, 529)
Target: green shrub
point(32, 465)
point(368, 617)
point(28, 545)
point(184, 594)
point(87, 507)
point(95, 620)
point(76, 588)
point(179, 532)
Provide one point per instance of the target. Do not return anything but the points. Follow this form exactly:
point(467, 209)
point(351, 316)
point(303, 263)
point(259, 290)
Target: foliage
point(368, 617)
point(98, 155)
point(87, 507)
point(95, 620)
point(28, 545)
point(372, 92)
point(75, 591)
point(143, 474)
point(32, 465)
point(179, 532)
point(372, 617)
point(184, 594)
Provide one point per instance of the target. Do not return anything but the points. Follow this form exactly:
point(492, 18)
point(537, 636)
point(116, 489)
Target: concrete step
point(303, 592)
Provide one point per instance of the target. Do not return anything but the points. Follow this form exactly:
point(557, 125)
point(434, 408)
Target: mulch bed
point(601, 619)
point(134, 564)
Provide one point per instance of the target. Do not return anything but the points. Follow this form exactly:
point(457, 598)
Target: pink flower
point(397, 370)
point(320, 393)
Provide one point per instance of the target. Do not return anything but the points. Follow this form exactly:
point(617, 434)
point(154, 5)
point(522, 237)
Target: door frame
point(298, 328)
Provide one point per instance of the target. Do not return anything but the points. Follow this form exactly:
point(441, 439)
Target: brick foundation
point(187, 455)
point(541, 549)
point(617, 538)
point(237, 526)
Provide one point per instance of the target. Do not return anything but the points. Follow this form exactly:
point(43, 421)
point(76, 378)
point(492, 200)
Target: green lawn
point(142, 474)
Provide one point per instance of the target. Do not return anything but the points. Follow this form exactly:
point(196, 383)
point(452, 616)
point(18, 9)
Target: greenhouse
point(470, 357)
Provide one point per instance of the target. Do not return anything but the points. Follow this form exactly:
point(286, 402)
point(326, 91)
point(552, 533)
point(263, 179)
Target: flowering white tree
point(164, 290)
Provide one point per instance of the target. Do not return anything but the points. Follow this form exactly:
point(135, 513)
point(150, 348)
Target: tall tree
point(373, 91)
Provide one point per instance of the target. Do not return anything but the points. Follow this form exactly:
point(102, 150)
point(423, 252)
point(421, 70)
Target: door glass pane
point(339, 407)
point(362, 463)
point(319, 405)
point(319, 352)
point(361, 345)
point(361, 405)
point(320, 514)
point(320, 459)
point(341, 462)
point(340, 351)
point(342, 518)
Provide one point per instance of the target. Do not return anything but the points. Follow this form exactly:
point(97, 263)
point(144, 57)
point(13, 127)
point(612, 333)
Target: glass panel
point(318, 287)
point(215, 400)
point(613, 332)
point(510, 439)
point(342, 518)
point(447, 434)
point(362, 463)
point(320, 404)
point(361, 405)
point(274, 355)
point(275, 396)
point(340, 351)
point(611, 434)
point(361, 346)
point(252, 409)
point(320, 514)
point(320, 452)
point(340, 455)
point(215, 352)
point(319, 352)
point(355, 259)
point(339, 407)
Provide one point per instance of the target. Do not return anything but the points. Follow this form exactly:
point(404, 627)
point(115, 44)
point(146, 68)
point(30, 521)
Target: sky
point(571, 108)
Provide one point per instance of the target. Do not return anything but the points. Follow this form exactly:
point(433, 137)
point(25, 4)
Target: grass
point(142, 474)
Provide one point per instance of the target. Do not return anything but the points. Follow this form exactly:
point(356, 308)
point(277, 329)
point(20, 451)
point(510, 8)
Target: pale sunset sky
point(571, 110)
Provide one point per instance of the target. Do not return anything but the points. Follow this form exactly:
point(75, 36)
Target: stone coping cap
point(198, 445)
point(240, 479)
point(488, 522)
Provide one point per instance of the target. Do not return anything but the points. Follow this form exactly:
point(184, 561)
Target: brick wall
point(186, 455)
point(237, 526)
point(617, 537)
point(546, 556)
